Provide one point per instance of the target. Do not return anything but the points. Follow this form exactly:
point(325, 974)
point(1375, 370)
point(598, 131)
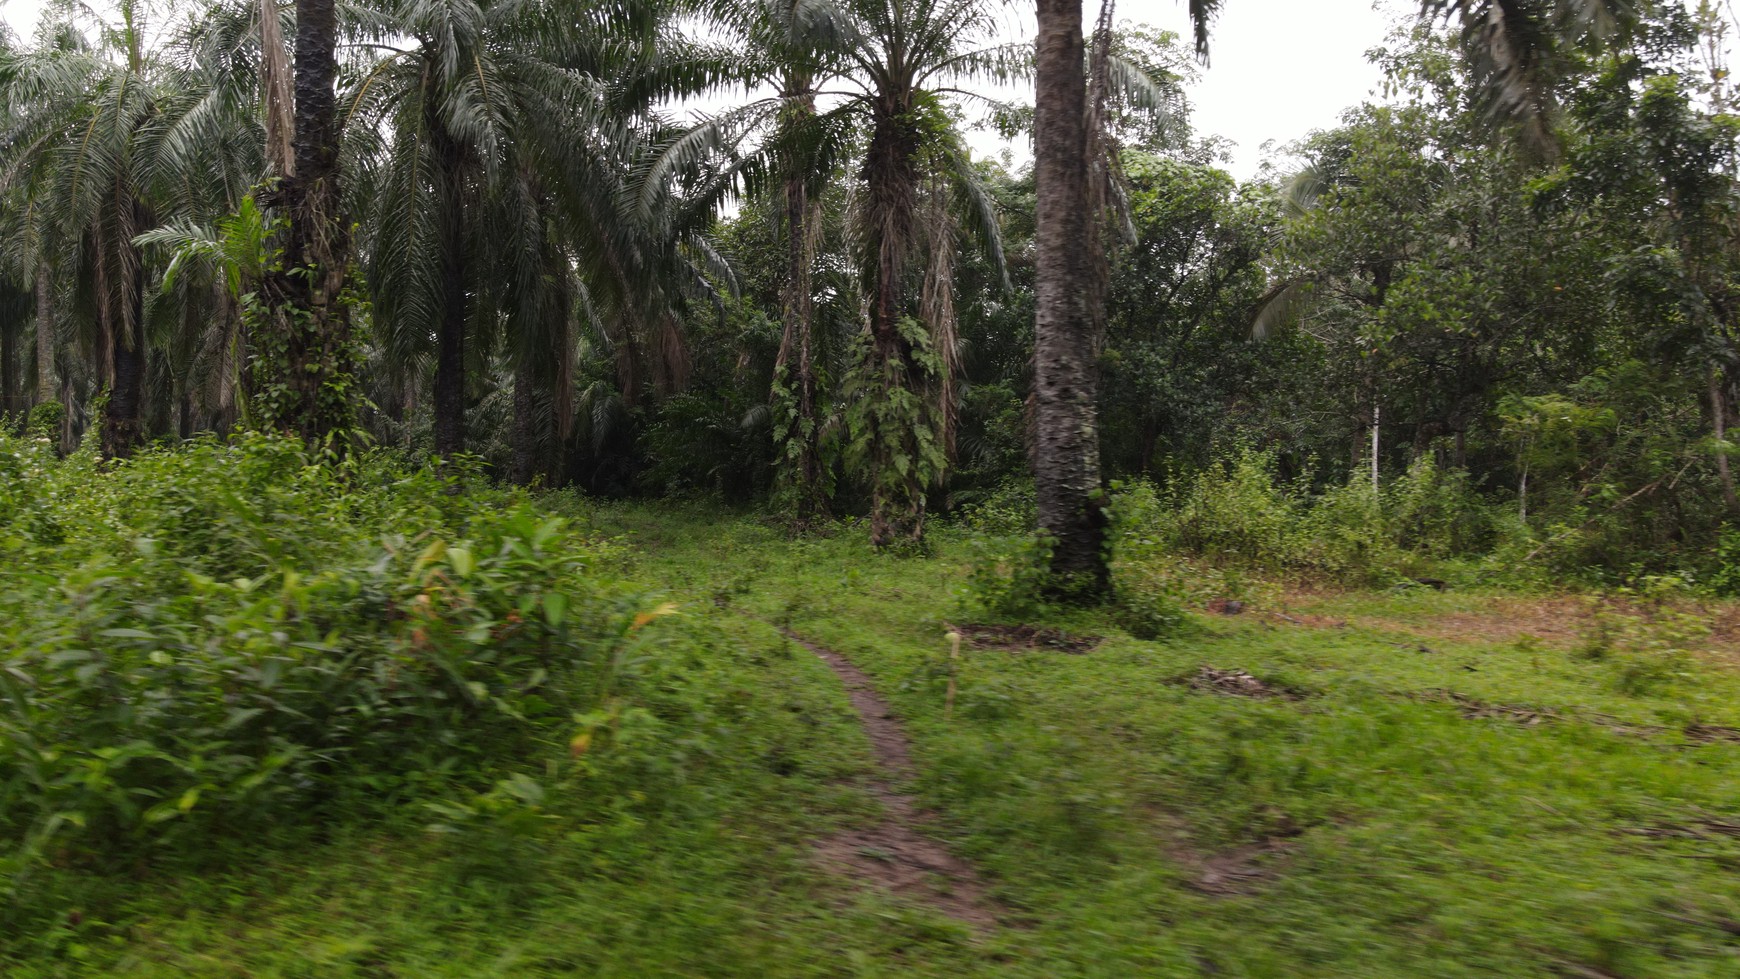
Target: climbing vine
point(892, 433)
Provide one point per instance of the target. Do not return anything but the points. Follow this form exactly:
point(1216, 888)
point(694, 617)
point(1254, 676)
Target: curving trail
point(893, 853)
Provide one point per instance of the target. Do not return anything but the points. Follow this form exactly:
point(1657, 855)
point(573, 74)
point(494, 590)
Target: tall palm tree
point(309, 374)
point(796, 42)
point(900, 60)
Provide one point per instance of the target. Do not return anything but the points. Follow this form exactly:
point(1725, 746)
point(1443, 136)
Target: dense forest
point(514, 487)
point(1515, 301)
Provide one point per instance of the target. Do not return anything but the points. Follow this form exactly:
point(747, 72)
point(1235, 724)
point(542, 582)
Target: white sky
point(1278, 68)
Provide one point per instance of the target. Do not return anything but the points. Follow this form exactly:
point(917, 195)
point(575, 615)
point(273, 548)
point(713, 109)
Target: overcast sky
point(1277, 69)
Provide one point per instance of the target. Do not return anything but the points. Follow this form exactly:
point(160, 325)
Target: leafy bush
point(1234, 510)
point(1008, 510)
point(219, 638)
point(1145, 584)
point(1435, 512)
point(1238, 513)
point(1011, 581)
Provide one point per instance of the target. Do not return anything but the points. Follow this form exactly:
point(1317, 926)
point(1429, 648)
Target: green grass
point(1404, 839)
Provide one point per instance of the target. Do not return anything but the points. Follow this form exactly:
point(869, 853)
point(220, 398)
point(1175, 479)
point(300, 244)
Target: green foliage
point(288, 344)
point(893, 441)
point(1008, 510)
point(1234, 511)
point(1012, 579)
point(45, 419)
point(1240, 514)
point(1147, 585)
point(237, 635)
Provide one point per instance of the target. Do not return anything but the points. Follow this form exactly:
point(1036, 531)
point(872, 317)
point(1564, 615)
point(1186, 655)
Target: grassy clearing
point(1552, 821)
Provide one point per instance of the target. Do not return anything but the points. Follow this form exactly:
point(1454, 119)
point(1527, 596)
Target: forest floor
point(1327, 783)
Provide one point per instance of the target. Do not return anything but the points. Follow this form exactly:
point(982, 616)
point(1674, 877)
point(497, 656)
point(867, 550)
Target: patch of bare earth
point(1696, 735)
point(892, 853)
point(1236, 683)
point(1562, 621)
point(1231, 873)
point(1026, 639)
point(1712, 734)
point(1236, 871)
point(1470, 708)
point(1697, 825)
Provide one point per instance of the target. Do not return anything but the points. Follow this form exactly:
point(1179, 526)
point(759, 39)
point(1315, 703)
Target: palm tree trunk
point(44, 336)
point(795, 366)
point(1067, 454)
point(805, 471)
point(124, 295)
point(304, 295)
point(121, 418)
point(897, 500)
point(10, 384)
point(526, 428)
point(450, 331)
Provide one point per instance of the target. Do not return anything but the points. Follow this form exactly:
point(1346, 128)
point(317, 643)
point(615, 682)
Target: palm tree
point(796, 41)
point(308, 373)
point(1066, 444)
point(918, 190)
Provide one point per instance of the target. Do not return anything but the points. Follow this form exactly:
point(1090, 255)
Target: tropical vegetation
point(435, 434)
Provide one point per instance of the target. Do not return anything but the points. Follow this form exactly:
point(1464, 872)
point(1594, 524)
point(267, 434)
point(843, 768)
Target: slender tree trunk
point(122, 430)
point(308, 315)
point(44, 335)
point(1067, 452)
point(11, 385)
point(1376, 426)
point(795, 366)
point(67, 442)
point(1719, 416)
point(121, 418)
point(450, 330)
point(526, 429)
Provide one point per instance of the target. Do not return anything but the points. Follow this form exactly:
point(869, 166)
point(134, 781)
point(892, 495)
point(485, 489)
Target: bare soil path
point(893, 853)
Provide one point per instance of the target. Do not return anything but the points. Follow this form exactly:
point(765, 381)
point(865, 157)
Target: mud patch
point(1472, 709)
point(1698, 825)
point(1712, 734)
point(1026, 639)
point(1232, 873)
point(892, 854)
point(1234, 683)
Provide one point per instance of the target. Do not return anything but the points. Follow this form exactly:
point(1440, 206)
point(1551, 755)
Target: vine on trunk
point(893, 432)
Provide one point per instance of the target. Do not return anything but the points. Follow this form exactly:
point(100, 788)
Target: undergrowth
point(235, 637)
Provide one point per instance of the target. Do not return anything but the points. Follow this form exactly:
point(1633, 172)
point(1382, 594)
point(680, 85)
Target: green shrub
point(1008, 510)
point(1235, 510)
point(45, 419)
point(1011, 581)
point(1436, 513)
point(1238, 513)
point(220, 638)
